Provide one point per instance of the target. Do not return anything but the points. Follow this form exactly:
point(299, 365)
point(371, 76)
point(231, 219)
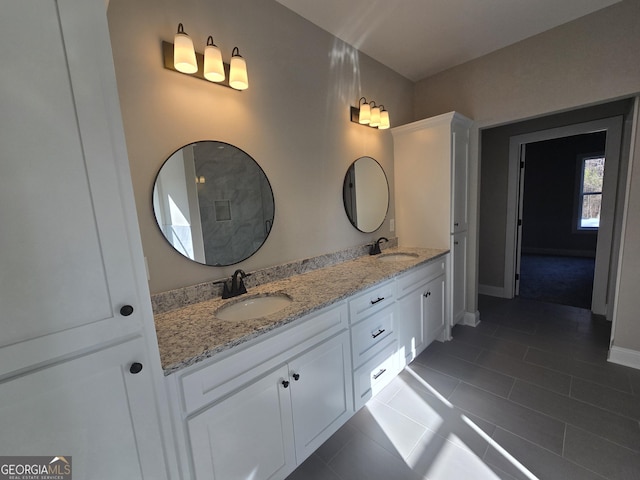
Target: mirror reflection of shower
point(225, 215)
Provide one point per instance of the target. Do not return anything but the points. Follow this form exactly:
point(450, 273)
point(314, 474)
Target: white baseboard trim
point(471, 319)
point(625, 356)
point(492, 291)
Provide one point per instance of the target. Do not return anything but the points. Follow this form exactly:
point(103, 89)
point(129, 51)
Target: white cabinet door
point(433, 305)
point(64, 254)
point(459, 274)
point(248, 435)
point(70, 254)
point(91, 408)
point(321, 393)
point(460, 178)
point(410, 325)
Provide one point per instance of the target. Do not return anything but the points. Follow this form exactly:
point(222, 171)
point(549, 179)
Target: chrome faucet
point(375, 247)
point(234, 286)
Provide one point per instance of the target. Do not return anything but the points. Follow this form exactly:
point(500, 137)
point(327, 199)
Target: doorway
point(561, 203)
point(521, 147)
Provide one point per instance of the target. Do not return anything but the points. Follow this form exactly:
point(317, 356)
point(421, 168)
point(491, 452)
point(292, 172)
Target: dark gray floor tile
point(605, 374)
point(443, 419)
point(470, 336)
point(520, 322)
point(549, 379)
point(313, 468)
point(435, 458)
point(336, 442)
point(595, 453)
point(454, 348)
point(534, 426)
point(419, 376)
point(607, 398)
point(622, 430)
point(634, 378)
point(539, 461)
point(364, 459)
point(468, 372)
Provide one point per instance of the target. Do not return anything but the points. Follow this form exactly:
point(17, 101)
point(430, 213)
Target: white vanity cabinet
point(421, 308)
point(373, 340)
point(259, 412)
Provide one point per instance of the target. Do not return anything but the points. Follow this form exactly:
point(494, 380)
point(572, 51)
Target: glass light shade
point(384, 120)
point(365, 114)
point(213, 66)
point(184, 56)
point(375, 117)
point(238, 72)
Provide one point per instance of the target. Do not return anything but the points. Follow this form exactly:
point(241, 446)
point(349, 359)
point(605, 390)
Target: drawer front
point(409, 281)
point(373, 300)
point(204, 385)
point(375, 374)
point(369, 335)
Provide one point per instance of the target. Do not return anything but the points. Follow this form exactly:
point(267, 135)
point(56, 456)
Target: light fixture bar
point(167, 53)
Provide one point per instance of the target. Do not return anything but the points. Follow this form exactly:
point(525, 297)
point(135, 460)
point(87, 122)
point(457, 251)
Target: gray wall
point(293, 120)
point(590, 60)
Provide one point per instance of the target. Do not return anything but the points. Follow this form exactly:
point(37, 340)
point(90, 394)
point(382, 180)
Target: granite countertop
point(192, 333)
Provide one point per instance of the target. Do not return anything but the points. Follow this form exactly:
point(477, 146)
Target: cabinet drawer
point(409, 281)
point(373, 300)
point(375, 374)
point(369, 334)
point(223, 375)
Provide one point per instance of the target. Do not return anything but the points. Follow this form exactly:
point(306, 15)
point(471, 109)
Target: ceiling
point(418, 38)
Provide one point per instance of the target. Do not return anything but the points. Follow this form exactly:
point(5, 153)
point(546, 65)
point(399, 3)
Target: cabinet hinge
point(519, 222)
point(521, 163)
point(517, 276)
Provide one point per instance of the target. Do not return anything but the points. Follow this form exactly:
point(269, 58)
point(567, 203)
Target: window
point(590, 198)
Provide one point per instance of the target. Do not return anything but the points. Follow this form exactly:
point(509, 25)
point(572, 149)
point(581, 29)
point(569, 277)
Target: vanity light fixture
point(213, 65)
point(364, 116)
point(238, 71)
point(368, 113)
point(200, 179)
point(182, 57)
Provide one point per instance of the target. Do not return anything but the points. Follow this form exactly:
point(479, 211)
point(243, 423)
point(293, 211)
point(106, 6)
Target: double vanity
point(253, 394)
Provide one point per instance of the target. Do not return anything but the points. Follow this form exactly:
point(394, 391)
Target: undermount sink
point(397, 257)
point(253, 307)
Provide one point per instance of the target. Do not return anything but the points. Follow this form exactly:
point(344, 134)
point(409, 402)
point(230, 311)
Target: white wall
point(293, 120)
point(587, 61)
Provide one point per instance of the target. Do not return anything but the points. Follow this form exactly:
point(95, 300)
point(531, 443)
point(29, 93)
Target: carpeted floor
point(563, 280)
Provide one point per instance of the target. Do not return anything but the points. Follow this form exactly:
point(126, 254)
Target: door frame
point(605, 268)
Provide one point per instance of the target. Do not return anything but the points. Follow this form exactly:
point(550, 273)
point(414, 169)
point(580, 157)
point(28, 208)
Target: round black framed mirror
point(365, 193)
point(213, 203)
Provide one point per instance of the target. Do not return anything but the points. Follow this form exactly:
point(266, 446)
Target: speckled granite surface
point(181, 297)
point(192, 333)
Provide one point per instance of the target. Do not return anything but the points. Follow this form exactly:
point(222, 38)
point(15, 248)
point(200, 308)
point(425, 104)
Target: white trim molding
point(625, 356)
point(492, 291)
point(471, 319)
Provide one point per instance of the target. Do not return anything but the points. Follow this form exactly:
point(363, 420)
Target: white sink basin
point(253, 307)
point(397, 257)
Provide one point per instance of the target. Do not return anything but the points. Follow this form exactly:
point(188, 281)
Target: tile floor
point(526, 394)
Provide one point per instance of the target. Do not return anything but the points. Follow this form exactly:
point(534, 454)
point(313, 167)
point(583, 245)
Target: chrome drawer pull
point(377, 375)
point(373, 302)
point(379, 332)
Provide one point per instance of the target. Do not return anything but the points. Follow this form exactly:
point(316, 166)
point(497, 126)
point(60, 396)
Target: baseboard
point(492, 291)
point(625, 356)
point(471, 319)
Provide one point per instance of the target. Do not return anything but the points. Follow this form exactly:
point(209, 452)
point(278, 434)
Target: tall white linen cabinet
point(431, 165)
point(80, 373)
